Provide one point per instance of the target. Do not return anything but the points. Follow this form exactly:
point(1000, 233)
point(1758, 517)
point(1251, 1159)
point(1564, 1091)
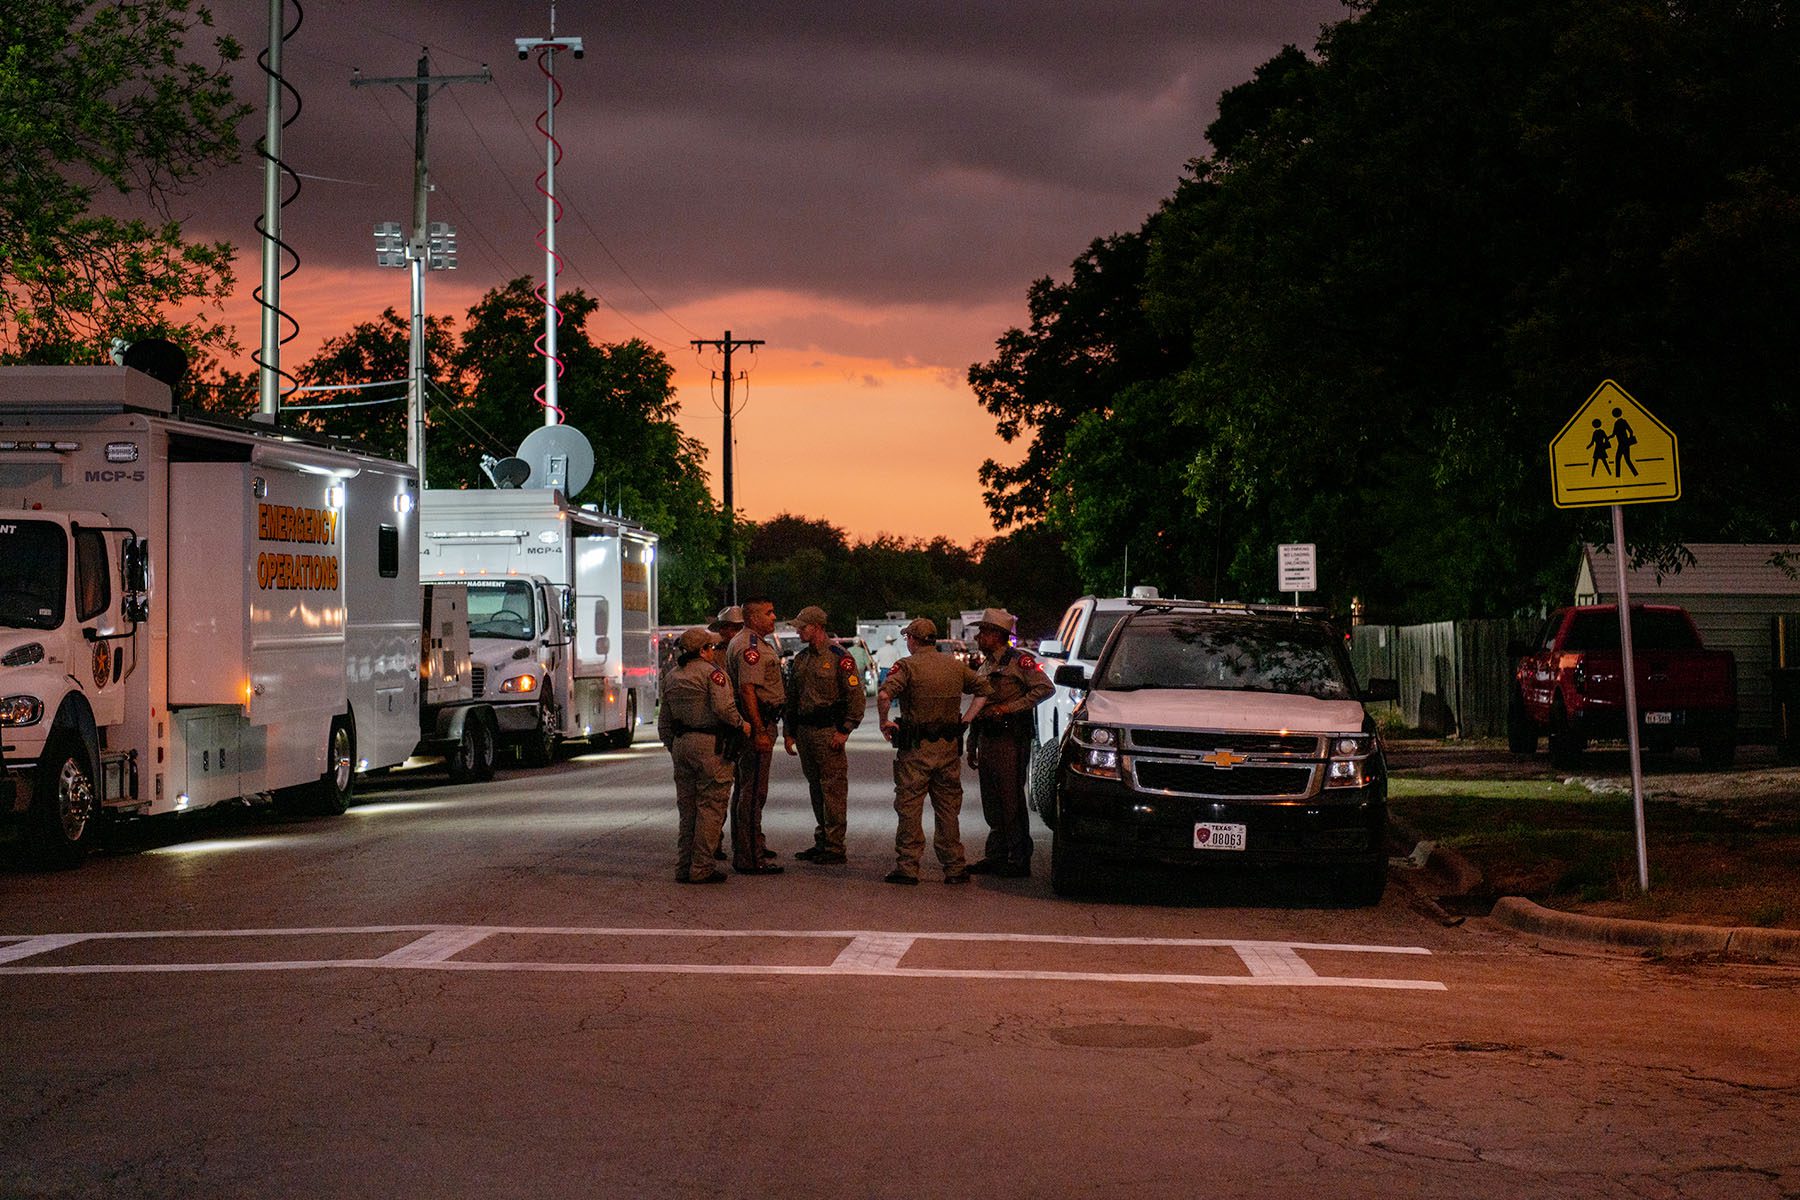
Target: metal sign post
point(1608, 436)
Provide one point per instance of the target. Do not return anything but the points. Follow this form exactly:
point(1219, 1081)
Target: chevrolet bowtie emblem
point(1223, 758)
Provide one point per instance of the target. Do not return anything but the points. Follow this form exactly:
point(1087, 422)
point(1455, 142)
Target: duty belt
point(915, 734)
point(822, 719)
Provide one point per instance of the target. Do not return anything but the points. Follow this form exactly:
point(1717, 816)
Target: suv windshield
point(502, 608)
point(34, 568)
point(1226, 653)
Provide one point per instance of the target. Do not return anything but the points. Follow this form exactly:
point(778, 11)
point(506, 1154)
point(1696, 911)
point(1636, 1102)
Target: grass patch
point(1563, 845)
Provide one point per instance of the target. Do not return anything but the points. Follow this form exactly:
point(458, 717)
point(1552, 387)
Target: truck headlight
point(23, 656)
point(1347, 767)
point(1095, 751)
point(21, 710)
point(519, 684)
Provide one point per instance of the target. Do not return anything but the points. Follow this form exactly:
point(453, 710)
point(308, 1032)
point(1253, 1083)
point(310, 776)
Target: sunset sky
point(869, 187)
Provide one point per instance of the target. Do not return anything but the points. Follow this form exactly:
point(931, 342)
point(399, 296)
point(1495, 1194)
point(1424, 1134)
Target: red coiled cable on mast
point(546, 291)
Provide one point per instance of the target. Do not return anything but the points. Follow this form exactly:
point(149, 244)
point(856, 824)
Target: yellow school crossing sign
point(1613, 451)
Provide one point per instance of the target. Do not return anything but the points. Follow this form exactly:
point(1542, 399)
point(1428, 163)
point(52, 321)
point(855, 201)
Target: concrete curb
point(1774, 945)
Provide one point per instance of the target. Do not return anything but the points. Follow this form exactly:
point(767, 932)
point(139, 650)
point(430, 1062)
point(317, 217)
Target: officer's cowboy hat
point(997, 618)
point(727, 616)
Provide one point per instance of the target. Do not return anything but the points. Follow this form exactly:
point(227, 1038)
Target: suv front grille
point(1197, 779)
point(478, 681)
point(1204, 742)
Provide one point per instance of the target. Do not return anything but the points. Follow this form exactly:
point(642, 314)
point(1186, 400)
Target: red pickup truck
point(1570, 685)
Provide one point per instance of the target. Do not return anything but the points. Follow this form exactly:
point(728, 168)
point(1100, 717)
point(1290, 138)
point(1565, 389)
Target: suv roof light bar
point(1228, 606)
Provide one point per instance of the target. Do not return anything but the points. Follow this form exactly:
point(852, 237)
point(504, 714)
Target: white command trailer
point(192, 610)
point(562, 612)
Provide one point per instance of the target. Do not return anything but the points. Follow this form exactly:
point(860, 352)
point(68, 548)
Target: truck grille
point(478, 681)
point(1198, 779)
point(1203, 742)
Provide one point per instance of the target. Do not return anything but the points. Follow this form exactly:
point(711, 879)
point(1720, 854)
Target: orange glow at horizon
point(828, 428)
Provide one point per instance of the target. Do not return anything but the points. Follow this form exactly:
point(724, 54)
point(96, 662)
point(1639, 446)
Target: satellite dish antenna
point(560, 457)
point(510, 473)
point(161, 360)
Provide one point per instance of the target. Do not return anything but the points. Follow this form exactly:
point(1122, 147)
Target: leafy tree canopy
point(1408, 259)
point(103, 104)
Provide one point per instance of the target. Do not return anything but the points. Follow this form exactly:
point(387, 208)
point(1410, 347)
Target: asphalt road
point(498, 991)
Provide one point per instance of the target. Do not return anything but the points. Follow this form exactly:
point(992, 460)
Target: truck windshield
point(502, 608)
point(1229, 653)
point(34, 568)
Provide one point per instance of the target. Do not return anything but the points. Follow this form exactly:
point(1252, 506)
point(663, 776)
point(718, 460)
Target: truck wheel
point(1362, 885)
point(542, 743)
point(473, 760)
point(64, 821)
point(331, 795)
point(1566, 745)
point(1041, 794)
point(1071, 871)
point(1719, 752)
point(1521, 734)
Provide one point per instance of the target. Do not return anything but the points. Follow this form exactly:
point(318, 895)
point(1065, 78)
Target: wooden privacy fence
point(1455, 676)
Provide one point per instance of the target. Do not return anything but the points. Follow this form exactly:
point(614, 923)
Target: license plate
point(1210, 835)
point(1659, 718)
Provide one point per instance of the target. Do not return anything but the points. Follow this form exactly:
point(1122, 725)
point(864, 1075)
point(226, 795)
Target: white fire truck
point(562, 612)
point(194, 611)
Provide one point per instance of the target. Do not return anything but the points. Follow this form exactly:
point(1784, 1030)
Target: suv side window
point(1065, 633)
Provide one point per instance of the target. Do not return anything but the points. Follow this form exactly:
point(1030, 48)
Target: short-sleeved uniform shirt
point(697, 696)
point(755, 661)
point(931, 685)
point(821, 680)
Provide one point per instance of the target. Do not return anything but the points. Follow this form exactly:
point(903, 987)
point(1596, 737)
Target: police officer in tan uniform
point(753, 660)
point(825, 702)
point(700, 725)
point(1000, 744)
point(727, 624)
point(929, 739)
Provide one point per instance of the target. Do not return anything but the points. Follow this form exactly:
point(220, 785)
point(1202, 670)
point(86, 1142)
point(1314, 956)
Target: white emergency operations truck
point(195, 610)
point(562, 612)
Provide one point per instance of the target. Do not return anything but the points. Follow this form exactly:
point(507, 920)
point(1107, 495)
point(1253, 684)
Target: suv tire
point(1072, 871)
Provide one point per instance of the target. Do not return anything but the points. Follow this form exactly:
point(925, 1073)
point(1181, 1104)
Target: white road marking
point(1276, 962)
point(867, 954)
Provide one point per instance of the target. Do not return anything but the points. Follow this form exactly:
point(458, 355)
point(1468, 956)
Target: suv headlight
point(1348, 763)
point(1095, 750)
point(21, 710)
point(519, 683)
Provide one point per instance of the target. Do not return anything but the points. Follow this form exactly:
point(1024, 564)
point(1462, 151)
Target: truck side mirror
point(602, 646)
point(1382, 689)
point(1071, 676)
point(1051, 648)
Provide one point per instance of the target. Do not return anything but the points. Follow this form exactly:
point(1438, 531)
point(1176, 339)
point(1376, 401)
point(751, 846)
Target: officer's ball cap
point(812, 614)
point(922, 628)
point(698, 639)
point(998, 618)
point(728, 616)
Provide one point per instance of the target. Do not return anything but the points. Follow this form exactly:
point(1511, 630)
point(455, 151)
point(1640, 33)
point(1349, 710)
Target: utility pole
point(419, 251)
point(728, 344)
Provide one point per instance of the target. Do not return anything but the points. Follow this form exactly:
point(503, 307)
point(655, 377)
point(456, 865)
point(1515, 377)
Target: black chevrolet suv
point(1222, 733)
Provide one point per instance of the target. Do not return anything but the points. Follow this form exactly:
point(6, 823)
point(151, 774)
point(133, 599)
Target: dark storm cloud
point(876, 153)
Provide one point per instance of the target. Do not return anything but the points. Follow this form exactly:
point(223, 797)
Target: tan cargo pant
point(933, 768)
point(827, 774)
point(702, 790)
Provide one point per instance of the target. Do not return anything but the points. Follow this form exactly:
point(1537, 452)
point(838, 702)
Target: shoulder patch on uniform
point(718, 677)
point(848, 663)
point(752, 656)
point(1028, 662)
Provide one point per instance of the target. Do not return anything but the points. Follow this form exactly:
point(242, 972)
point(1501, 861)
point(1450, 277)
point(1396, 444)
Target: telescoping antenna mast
point(547, 49)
